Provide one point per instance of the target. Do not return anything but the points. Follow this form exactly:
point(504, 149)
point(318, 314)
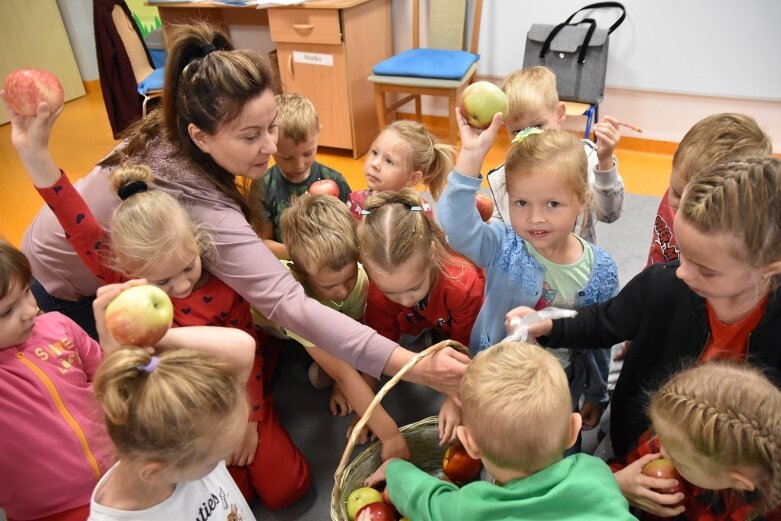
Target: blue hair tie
point(523, 134)
point(150, 366)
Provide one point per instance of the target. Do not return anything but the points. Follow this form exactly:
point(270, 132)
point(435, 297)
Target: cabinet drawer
point(305, 25)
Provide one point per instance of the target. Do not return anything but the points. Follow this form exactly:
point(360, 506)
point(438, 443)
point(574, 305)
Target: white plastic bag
point(519, 327)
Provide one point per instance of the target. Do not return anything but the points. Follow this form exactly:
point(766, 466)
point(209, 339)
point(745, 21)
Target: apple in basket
point(663, 468)
point(25, 89)
point(480, 101)
point(460, 466)
point(375, 512)
point(485, 205)
point(387, 500)
point(139, 316)
point(324, 186)
point(359, 498)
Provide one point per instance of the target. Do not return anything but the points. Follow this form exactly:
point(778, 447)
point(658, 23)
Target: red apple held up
point(480, 101)
point(139, 316)
point(460, 466)
point(663, 468)
point(485, 205)
point(324, 186)
point(25, 89)
point(375, 512)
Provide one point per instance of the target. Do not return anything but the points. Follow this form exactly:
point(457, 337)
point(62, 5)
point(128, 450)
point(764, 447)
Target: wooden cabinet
point(326, 51)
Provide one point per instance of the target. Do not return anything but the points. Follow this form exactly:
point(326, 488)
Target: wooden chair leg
point(451, 116)
point(379, 100)
point(418, 110)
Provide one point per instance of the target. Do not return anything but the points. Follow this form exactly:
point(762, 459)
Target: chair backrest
point(134, 46)
point(447, 24)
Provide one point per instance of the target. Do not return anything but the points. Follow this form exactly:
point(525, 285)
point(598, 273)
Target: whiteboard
point(706, 47)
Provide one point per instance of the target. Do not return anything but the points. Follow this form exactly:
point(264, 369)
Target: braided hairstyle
point(729, 412)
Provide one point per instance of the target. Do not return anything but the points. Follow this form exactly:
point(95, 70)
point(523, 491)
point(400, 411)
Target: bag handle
point(583, 48)
point(600, 5)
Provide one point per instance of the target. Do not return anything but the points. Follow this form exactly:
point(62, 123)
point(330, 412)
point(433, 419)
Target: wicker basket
point(422, 439)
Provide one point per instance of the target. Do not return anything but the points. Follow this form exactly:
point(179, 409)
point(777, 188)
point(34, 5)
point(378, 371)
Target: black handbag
point(576, 52)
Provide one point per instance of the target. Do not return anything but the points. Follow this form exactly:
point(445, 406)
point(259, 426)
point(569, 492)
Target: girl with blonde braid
point(719, 424)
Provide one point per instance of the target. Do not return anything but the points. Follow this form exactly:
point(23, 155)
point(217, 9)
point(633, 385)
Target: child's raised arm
point(30, 137)
point(475, 144)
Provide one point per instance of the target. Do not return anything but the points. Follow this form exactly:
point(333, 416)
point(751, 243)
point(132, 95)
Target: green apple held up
point(480, 101)
point(361, 497)
point(139, 316)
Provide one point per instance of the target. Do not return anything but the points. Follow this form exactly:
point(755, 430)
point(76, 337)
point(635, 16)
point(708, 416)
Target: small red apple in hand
point(324, 186)
point(664, 469)
point(139, 316)
point(460, 466)
point(480, 101)
point(375, 512)
point(485, 205)
point(25, 89)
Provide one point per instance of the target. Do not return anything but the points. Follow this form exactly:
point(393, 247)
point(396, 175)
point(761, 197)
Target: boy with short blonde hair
point(711, 141)
point(533, 101)
point(517, 418)
point(294, 169)
point(319, 232)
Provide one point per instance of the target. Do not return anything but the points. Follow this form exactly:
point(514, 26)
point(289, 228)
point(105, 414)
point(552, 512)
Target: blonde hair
point(559, 153)
point(149, 226)
point(529, 89)
point(172, 413)
point(296, 117)
point(517, 406)
point(719, 138)
point(14, 268)
point(319, 232)
point(729, 412)
point(434, 159)
point(392, 233)
point(741, 199)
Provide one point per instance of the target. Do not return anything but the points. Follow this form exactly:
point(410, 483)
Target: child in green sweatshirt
point(517, 418)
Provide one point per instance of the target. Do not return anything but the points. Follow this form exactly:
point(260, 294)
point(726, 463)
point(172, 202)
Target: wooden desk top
point(308, 4)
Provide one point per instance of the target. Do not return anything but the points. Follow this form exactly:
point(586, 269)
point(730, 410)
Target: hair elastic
point(415, 208)
point(207, 48)
point(366, 212)
point(523, 134)
point(150, 366)
point(132, 188)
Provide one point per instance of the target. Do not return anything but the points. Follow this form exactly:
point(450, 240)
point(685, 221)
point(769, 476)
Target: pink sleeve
point(88, 349)
point(248, 266)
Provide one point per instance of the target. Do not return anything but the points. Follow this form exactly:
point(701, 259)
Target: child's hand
point(103, 297)
point(608, 136)
point(245, 452)
point(395, 447)
point(338, 404)
point(449, 420)
point(475, 144)
point(365, 435)
point(636, 488)
point(591, 415)
point(537, 329)
point(30, 134)
point(378, 476)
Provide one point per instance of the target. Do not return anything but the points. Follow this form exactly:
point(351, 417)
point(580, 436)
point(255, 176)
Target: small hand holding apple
point(449, 420)
point(639, 489)
point(537, 329)
point(607, 135)
point(245, 452)
point(103, 297)
point(591, 415)
point(475, 143)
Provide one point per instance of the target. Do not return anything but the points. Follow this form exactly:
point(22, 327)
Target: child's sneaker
point(319, 378)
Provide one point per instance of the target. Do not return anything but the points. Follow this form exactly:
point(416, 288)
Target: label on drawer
point(313, 58)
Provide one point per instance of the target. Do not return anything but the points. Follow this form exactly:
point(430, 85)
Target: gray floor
point(321, 437)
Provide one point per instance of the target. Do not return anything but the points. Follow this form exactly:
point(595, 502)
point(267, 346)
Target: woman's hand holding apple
point(638, 489)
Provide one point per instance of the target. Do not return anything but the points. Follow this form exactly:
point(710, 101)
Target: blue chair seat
point(153, 82)
point(427, 63)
